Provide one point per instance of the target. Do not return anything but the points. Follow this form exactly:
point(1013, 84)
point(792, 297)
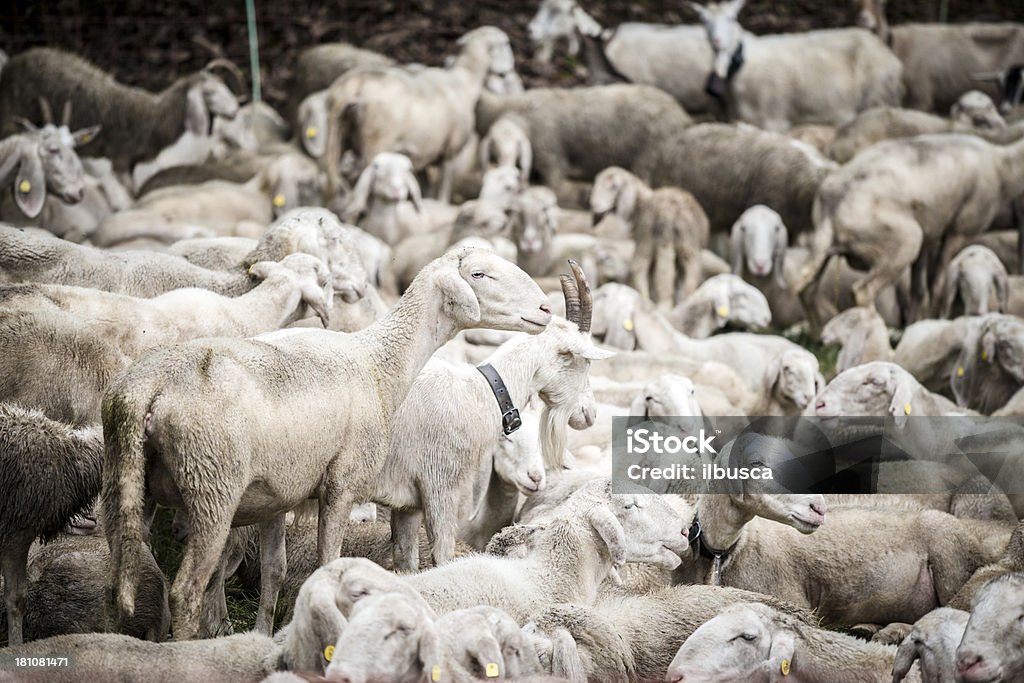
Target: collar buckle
point(511, 421)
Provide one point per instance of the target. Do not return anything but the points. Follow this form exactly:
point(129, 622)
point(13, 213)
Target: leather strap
point(510, 420)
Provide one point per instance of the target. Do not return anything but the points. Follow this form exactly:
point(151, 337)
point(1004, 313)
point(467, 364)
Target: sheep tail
point(125, 412)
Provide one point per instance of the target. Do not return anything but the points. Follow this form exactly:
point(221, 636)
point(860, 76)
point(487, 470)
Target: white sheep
point(972, 276)
point(993, 644)
point(755, 642)
point(791, 381)
point(719, 301)
point(880, 388)
point(862, 335)
point(350, 385)
point(439, 452)
point(933, 641)
point(568, 558)
point(669, 226)
point(765, 80)
point(382, 102)
point(386, 201)
point(507, 144)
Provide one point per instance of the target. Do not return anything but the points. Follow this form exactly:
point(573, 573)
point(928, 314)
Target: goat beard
point(553, 422)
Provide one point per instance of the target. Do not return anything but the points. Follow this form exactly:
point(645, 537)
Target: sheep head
point(878, 388)
point(534, 220)
point(975, 109)
point(721, 21)
point(475, 288)
point(489, 46)
point(745, 642)
point(758, 240)
point(993, 643)
point(46, 162)
point(308, 275)
point(312, 117)
point(615, 189)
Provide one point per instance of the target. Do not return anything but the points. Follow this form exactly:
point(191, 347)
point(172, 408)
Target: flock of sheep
point(356, 395)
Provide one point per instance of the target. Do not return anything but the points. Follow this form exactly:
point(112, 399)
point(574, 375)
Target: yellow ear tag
point(627, 324)
point(491, 670)
point(311, 132)
point(984, 355)
point(723, 311)
point(329, 652)
point(906, 409)
point(24, 187)
point(785, 667)
point(279, 200)
point(960, 372)
point(435, 674)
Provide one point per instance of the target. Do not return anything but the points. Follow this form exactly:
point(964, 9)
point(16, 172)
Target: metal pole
point(254, 48)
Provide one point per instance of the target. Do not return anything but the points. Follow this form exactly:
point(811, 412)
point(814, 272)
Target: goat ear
point(30, 183)
point(360, 198)
point(458, 298)
point(611, 532)
point(736, 247)
point(197, 116)
point(84, 136)
point(905, 656)
point(780, 655)
point(701, 11)
point(735, 7)
point(950, 288)
point(902, 403)
point(587, 349)
point(413, 187)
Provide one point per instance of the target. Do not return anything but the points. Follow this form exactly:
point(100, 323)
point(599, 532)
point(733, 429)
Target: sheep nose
point(819, 508)
point(674, 678)
point(545, 308)
point(536, 477)
point(819, 405)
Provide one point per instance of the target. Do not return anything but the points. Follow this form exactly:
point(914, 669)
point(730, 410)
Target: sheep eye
point(630, 506)
point(749, 637)
point(478, 274)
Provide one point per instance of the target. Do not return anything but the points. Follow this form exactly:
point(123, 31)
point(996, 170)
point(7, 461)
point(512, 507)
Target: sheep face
point(992, 648)
point(319, 232)
point(309, 276)
point(668, 396)
point(312, 118)
point(472, 645)
point(518, 460)
point(534, 220)
point(479, 219)
point(758, 241)
point(721, 21)
point(770, 499)
point(479, 289)
point(388, 638)
point(615, 189)
point(652, 530)
point(500, 185)
point(516, 649)
point(740, 644)
point(735, 301)
point(793, 377)
point(976, 109)
point(554, 20)
point(292, 180)
point(871, 389)
point(490, 46)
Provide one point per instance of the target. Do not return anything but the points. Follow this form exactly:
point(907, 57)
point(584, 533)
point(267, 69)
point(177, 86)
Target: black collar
point(695, 535)
point(510, 420)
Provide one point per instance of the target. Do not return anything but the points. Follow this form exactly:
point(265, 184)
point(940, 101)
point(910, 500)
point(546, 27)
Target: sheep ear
point(84, 136)
point(413, 188)
point(431, 655)
point(780, 655)
point(584, 22)
point(736, 250)
point(905, 656)
point(721, 303)
point(565, 657)
point(950, 288)
point(486, 652)
point(261, 270)
point(625, 203)
point(525, 151)
point(458, 297)
point(197, 116)
point(30, 183)
point(360, 198)
point(611, 532)
point(320, 300)
point(772, 372)
point(902, 403)
point(779, 258)
point(1002, 290)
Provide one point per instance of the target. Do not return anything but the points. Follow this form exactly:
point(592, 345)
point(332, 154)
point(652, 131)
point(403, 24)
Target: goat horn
point(231, 67)
point(44, 105)
point(586, 298)
point(572, 298)
point(65, 118)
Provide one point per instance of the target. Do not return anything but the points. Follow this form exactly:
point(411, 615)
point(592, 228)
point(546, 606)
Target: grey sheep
point(138, 123)
point(49, 471)
point(993, 645)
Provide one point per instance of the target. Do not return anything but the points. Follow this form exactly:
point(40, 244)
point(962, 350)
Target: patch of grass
point(827, 354)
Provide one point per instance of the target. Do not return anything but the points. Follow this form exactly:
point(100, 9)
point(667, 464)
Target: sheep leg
point(898, 249)
point(203, 553)
point(664, 276)
point(273, 566)
point(13, 564)
point(405, 539)
point(440, 518)
point(640, 267)
point(334, 512)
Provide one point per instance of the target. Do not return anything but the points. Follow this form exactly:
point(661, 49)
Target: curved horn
point(44, 106)
point(586, 298)
point(65, 117)
point(572, 298)
point(231, 67)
